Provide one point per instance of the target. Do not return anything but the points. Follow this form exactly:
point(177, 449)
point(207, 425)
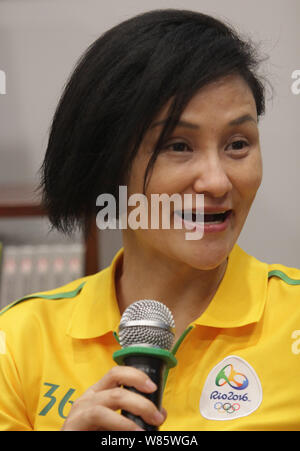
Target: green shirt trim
point(73, 293)
point(63, 295)
point(283, 276)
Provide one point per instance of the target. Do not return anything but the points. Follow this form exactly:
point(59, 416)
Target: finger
point(135, 403)
point(164, 413)
point(116, 422)
point(101, 418)
point(125, 375)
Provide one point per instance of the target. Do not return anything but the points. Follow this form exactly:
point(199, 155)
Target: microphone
point(146, 335)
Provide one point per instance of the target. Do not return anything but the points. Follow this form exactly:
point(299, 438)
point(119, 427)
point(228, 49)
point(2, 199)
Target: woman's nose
point(211, 178)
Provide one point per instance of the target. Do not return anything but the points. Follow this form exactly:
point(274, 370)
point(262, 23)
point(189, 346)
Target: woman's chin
point(204, 254)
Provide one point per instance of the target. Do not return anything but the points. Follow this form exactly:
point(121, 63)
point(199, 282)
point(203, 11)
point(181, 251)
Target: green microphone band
point(162, 354)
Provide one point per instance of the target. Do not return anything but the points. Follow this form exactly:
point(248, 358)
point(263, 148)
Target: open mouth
point(216, 218)
point(209, 218)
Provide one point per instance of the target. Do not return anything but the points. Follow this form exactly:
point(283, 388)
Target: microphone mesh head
point(158, 334)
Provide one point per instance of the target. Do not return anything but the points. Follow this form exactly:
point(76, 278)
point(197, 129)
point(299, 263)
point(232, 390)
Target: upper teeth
point(200, 212)
point(198, 215)
point(217, 212)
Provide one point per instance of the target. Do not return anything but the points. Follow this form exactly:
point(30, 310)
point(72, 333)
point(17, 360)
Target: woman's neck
point(186, 291)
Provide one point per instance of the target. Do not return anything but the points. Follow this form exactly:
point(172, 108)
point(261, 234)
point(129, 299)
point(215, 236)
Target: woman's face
point(214, 151)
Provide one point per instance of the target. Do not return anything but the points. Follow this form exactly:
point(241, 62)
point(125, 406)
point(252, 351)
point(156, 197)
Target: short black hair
point(117, 88)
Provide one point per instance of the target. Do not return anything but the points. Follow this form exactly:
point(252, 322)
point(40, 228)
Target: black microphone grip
point(154, 367)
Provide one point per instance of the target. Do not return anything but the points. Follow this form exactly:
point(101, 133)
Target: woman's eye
point(178, 146)
point(181, 146)
point(239, 145)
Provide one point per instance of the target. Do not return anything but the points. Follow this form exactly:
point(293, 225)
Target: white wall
point(40, 41)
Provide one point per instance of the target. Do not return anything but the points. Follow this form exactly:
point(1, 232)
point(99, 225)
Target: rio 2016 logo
point(232, 390)
point(229, 376)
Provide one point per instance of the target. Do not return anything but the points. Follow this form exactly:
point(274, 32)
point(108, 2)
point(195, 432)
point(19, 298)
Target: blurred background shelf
point(20, 201)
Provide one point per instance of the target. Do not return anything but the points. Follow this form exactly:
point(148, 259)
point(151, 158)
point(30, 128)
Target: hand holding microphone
point(125, 388)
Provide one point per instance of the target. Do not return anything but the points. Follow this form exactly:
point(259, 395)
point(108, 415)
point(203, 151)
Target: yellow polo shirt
point(238, 365)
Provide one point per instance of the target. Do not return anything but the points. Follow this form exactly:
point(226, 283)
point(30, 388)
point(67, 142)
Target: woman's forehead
point(228, 97)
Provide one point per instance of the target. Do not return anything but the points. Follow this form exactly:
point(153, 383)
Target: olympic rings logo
point(227, 407)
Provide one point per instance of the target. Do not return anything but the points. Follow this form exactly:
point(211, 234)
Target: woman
point(166, 102)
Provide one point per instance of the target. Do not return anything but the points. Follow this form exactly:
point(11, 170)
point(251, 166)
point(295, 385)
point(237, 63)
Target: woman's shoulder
point(288, 275)
point(60, 299)
point(276, 282)
point(284, 288)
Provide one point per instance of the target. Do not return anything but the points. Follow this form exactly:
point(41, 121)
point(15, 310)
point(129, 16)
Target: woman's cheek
point(248, 177)
point(255, 175)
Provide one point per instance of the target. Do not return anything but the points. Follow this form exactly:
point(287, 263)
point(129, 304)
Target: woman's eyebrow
point(238, 121)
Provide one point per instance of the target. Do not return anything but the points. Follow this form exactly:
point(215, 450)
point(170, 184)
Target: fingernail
point(150, 385)
point(158, 417)
point(164, 412)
